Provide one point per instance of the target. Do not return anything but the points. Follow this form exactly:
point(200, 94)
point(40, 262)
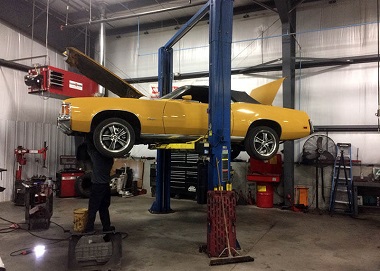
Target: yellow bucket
point(80, 219)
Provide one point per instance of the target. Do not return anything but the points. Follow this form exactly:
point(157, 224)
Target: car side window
point(199, 94)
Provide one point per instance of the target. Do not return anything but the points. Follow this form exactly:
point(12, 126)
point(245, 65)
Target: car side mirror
point(187, 97)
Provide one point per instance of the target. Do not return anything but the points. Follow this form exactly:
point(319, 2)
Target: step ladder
point(342, 196)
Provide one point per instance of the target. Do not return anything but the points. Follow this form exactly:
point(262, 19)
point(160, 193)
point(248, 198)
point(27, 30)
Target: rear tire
point(261, 143)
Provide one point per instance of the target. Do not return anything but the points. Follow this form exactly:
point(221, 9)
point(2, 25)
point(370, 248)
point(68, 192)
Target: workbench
point(366, 188)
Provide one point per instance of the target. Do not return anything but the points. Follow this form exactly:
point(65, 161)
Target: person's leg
point(103, 209)
point(93, 206)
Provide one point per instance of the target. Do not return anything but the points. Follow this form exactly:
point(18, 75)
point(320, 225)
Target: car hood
point(101, 75)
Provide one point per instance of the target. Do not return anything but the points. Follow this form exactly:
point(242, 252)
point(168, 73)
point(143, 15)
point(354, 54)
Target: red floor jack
point(19, 190)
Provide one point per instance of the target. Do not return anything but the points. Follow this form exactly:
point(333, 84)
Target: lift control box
point(53, 82)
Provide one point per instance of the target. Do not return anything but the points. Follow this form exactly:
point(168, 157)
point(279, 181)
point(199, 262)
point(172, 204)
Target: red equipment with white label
point(66, 182)
point(58, 83)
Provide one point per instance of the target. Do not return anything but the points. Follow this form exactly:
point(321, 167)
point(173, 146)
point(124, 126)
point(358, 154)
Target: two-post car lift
point(221, 217)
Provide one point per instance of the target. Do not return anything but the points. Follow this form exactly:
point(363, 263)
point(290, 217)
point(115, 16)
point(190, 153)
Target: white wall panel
point(27, 120)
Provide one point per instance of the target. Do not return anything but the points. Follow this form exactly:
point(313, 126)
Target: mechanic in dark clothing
point(100, 197)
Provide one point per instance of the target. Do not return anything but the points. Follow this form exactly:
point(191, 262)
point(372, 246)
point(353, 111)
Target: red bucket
point(264, 195)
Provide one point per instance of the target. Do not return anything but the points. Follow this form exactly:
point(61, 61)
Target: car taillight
point(65, 109)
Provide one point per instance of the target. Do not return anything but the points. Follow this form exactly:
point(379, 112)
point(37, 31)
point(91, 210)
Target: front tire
point(114, 137)
point(261, 143)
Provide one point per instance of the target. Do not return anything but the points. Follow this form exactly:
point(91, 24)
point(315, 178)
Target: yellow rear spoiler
point(265, 94)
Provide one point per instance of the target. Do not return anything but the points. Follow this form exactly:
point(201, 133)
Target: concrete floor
point(277, 239)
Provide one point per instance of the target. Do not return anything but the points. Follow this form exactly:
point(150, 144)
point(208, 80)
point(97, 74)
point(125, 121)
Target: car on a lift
point(117, 124)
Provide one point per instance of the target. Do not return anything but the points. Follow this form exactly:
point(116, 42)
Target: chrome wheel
point(114, 137)
point(262, 143)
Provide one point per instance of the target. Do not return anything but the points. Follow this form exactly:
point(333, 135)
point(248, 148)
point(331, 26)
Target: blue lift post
point(219, 98)
point(221, 13)
point(165, 76)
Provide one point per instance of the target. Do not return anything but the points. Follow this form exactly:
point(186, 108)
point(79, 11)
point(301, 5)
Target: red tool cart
point(265, 173)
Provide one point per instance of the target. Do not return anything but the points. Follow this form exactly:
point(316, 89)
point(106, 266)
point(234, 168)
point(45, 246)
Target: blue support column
point(165, 75)
point(221, 12)
point(165, 79)
point(162, 203)
point(165, 70)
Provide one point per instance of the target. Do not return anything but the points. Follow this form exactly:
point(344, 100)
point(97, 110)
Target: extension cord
point(14, 226)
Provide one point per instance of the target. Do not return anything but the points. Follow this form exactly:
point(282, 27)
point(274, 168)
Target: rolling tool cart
point(38, 204)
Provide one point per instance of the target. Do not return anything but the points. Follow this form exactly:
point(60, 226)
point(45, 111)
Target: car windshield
point(200, 93)
point(176, 93)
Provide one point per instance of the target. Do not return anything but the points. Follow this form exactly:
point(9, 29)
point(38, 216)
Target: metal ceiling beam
point(130, 5)
point(14, 65)
point(346, 128)
point(180, 20)
point(271, 67)
point(264, 6)
point(129, 16)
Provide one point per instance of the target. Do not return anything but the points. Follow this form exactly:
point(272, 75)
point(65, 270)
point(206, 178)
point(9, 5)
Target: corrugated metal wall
point(27, 120)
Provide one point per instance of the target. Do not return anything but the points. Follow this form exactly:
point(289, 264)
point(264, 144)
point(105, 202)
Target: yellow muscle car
point(117, 124)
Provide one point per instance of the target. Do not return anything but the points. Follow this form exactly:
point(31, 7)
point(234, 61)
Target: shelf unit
point(366, 188)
